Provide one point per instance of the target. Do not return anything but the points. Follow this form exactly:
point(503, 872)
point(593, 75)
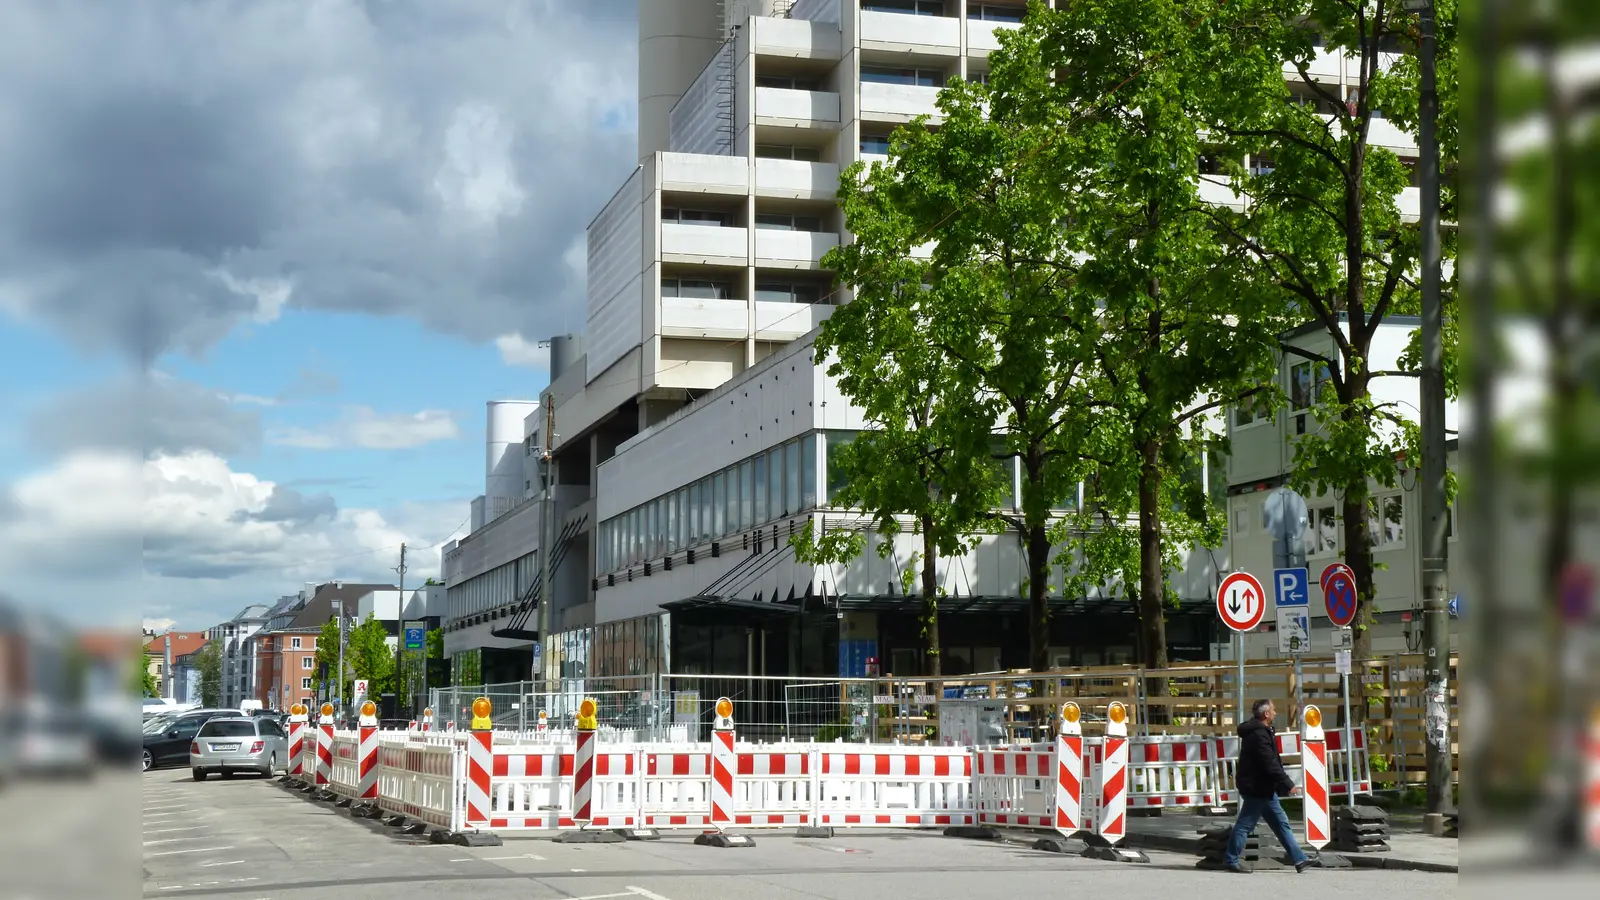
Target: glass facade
point(770, 485)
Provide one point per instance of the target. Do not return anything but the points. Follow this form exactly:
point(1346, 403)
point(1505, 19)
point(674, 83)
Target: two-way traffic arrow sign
point(1241, 602)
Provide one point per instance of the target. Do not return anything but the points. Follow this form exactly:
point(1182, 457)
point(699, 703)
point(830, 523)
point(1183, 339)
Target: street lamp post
point(1431, 490)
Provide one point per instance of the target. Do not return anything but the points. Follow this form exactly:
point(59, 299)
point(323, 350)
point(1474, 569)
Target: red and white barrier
point(1112, 822)
point(583, 766)
point(1314, 760)
point(724, 765)
point(427, 720)
point(297, 735)
point(325, 745)
point(1069, 772)
point(423, 782)
point(480, 765)
point(367, 780)
point(898, 787)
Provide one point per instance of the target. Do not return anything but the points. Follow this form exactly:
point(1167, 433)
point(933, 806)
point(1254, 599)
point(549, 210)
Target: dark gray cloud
point(170, 168)
point(149, 415)
point(290, 507)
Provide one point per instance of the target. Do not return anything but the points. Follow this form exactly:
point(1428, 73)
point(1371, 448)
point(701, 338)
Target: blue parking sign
point(414, 635)
point(1292, 587)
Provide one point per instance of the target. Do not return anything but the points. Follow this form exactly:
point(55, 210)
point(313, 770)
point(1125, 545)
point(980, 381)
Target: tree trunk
point(930, 599)
point(1358, 553)
point(1038, 598)
point(1152, 575)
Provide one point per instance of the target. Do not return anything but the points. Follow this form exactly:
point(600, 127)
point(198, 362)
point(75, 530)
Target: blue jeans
point(1251, 809)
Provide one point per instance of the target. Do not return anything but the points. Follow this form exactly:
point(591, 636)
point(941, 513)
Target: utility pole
point(1434, 548)
point(399, 633)
point(339, 609)
point(547, 542)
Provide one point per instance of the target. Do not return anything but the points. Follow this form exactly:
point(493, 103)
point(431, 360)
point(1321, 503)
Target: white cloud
point(186, 541)
point(479, 178)
point(362, 427)
point(269, 294)
point(516, 350)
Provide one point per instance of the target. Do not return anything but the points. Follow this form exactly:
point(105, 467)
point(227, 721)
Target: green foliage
point(435, 644)
point(142, 681)
point(366, 656)
point(208, 662)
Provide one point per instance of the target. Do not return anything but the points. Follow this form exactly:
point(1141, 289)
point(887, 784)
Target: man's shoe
point(1238, 869)
point(1303, 865)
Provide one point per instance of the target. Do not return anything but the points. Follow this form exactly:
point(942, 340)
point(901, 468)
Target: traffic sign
point(1241, 602)
point(1294, 630)
point(414, 635)
point(361, 687)
point(1454, 606)
point(1293, 587)
point(1343, 639)
point(1339, 597)
point(1332, 568)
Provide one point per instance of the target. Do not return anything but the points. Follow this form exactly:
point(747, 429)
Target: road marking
point(647, 895)
point(172, 841)
point(194, 850)
point(234, 862)
point(170, 830)
point(606, 896)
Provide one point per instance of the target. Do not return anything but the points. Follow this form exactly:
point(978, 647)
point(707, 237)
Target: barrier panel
point(902, 787)
point(424, 782)
point(1171, 771)
point(1016, 786)
point(344, 777)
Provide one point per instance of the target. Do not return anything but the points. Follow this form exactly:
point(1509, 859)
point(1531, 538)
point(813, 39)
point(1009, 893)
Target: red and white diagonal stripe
point(724, 763)
point(1591, 783)
point(1069, 784)
point(1315, 761)
point(1113, 823)
point(368, 756)
point(297, 734)
point(583, 778)
point(324, 754)
point(480, 763)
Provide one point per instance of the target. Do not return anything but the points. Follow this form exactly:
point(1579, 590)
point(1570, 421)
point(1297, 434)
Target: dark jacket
point(1260, 772)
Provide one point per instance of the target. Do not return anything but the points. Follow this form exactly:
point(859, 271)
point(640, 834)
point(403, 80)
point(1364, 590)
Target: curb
point(1180, 844)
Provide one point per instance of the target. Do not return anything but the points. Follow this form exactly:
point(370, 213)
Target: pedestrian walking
point(1261, 780)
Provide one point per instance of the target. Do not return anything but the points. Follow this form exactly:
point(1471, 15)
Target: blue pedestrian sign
point(1455, 607)
point(1292, 586)
point(414, 635)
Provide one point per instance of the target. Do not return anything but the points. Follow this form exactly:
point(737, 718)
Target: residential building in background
point(286, 647)
point(162, 653)
point(238, 654)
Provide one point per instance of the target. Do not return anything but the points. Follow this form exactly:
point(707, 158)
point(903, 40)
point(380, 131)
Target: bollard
point(325, 746)
point(724, 766)
point(367, 750)
point(583, 782)
point(1314, 762)
point(1069, 771)
point(297, 736)
point(1113, 823)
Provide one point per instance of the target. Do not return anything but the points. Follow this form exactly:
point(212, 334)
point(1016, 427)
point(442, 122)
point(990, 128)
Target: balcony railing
point(804, 107)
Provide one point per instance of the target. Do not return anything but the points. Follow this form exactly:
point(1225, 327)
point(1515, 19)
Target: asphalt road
point(249, 839)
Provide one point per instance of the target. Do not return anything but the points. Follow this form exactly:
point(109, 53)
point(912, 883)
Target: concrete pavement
point(248, 838)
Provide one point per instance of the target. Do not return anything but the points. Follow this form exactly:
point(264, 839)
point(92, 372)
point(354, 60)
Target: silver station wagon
point(238, 744)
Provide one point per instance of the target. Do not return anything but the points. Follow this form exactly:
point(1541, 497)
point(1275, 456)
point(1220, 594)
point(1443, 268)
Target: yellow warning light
point(427, 711)
point(587, 710)
point(297, 710)
point(369, 709)
point(725, 708)
point(1117, 713)
point(327, 709)
point(481, 708)
point(1071, 712)
point(1313, 717)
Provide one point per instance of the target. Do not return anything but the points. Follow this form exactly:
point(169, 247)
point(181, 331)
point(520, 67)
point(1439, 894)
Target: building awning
point(731, 604)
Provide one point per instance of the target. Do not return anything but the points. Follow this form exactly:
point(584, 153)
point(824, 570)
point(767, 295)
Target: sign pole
point(1349, 748)
point(1238, 659)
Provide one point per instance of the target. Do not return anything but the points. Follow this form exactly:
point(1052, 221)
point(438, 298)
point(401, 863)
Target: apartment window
point(758, 467)
point(719, 505)
point(791, 476)
point(1304, 387)
point(672, 523)
point(697, 289)
point(978, 77)
point(305, 684)
point(294, 643)
point(995, 12)
point(808, 471)
point(731, 501)
point(787, 82)
point(1261, 165)
point(917, 77)
point(1255, 410)
point(835, 479)
point(1322, 531)
point(1386, 526)
point(685, 535)
point(747, 495)
point(788, 151)
point(788, 222)
point(306, 662)
point(694, 513)
point(875, 143)
point(913, 7)
point(1304, 95)
point(678, 216)
point(787, 292)
point(775, 483)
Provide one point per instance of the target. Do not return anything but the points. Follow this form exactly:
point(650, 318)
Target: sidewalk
point(1410, 849)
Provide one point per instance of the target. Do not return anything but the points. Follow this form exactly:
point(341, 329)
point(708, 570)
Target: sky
point(261, 266)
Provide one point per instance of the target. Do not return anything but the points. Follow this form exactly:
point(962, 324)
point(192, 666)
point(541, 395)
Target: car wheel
point(199, 774)
point(272, 765)
point(149, 761)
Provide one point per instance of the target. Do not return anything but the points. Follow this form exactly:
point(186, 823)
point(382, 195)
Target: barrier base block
point(1060, 845)
point(440, 836)
point(973, 832)
point(344, 803)
point(1216, 811)
point(588, 836)
point(814, 831)
point(1330, 861)
point(394, 821)
point(365, 810)
point(475, 839)
point(638, 834)
point(415, 828)
point(1115, 854)
point(718, 839)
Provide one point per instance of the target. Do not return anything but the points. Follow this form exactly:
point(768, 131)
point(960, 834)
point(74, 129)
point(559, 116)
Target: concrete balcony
point(699, 173)
point(1219, 190)
point(1383, 133)
point(703, 244)
point(796, 180)
point(981, 37)
point(796, 38)
point(801, 109)
point(904, 33)
point(788, 321)
point(776, 249)
point(690, 317)
point(1410, 204)
point(897, 102)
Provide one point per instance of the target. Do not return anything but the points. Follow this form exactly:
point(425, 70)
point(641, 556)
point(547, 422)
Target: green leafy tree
point(1324, 226)
point(142, 680)
point(911, 463)
point(208, 662)
point(1180, 329)
point(998, 302)
point(370, 656)
point(328, 659)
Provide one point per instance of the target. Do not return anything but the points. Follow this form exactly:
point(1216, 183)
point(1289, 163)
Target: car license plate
point(223, 748)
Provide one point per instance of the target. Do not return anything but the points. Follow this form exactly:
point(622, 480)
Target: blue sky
point(260, 271)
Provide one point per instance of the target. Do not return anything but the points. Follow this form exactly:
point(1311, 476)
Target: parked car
point(242, 743)
point(55, 743)
point(167, 738)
